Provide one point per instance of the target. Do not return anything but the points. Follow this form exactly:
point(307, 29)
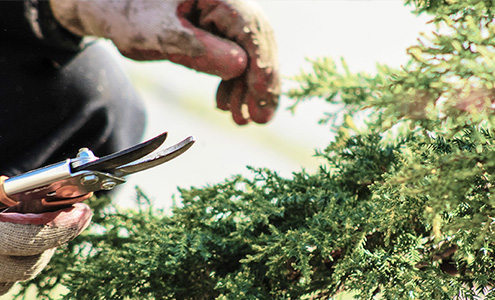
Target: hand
point(28, 241)
point(227, 38)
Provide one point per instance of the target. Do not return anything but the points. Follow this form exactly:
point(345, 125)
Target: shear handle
point(65, 202)
point(4, 199)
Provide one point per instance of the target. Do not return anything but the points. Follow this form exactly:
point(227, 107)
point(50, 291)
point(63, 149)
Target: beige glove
point(28, 241)
point(227, 38)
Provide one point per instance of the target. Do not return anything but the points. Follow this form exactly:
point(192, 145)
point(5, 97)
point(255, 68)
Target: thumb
point(221, 57)
point(217, 56)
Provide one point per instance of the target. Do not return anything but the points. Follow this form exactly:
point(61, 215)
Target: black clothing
point(32, 21)
point(57, 96)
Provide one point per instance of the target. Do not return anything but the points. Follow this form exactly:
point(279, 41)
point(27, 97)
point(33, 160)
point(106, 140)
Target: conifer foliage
point(402, 208)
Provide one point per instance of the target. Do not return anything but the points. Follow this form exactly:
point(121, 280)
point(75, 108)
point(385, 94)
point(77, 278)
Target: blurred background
point(182, 101)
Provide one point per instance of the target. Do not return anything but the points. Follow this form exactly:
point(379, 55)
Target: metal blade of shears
point(155, 159)
point(114, 160)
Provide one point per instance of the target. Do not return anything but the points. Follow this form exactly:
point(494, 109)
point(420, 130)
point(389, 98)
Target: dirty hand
point(28, 241)
point(228, 38)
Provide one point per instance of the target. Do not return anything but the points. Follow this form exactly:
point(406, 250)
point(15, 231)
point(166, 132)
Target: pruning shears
point(75, 179)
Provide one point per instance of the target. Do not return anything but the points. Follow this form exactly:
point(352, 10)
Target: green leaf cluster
point(402, 208)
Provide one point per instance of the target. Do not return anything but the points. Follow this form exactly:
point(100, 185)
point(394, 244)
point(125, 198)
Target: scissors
point(75, 179)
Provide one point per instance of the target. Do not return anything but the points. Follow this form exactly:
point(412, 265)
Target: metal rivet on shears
point(89, 179)
point(108, 184)
point(84, 156)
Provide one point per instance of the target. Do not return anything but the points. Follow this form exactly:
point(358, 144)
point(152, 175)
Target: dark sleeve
point(32, 21)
